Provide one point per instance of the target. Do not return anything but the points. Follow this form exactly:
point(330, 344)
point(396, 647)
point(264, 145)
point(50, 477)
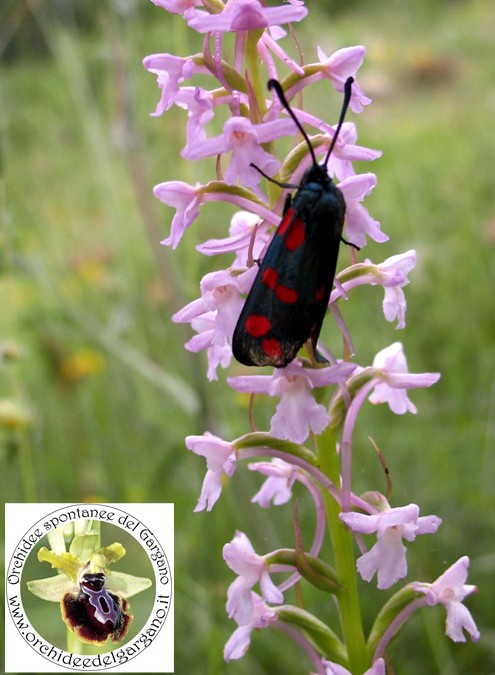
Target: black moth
point(288, 300)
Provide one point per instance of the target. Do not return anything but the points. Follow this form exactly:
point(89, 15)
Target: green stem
point(345, 563)
point(258, 86)
point(74, 646)
point(253, 68)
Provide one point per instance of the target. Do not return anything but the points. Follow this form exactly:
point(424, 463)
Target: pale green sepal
point(112, 553)
point(388, 613)
point(318, 633)
point(83, 546)
point(86, 526)
point(66, 562)
point(52, 588)
point(126, 585)
point(56, 540)
point(260, 439)
point(313, 569)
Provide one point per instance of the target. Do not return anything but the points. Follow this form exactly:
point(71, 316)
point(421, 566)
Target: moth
point(288, 300)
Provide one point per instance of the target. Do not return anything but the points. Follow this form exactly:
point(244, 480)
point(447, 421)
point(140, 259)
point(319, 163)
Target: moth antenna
point(345, 105)
point(290, 186)
point(275, 84)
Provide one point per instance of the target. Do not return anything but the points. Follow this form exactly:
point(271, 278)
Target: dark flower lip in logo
point(95, 614)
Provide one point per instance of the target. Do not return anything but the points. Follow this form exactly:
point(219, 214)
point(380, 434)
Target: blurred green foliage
point(94, 364)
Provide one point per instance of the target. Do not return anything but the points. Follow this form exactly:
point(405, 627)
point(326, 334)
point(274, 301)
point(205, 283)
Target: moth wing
point(289, 296)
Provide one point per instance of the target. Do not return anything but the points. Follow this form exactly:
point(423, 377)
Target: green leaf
point(295, 157)
point(294, 78)
point(263, 440)
point(215, 186)
point(232, 76)
point(319, 634)
point(316, 571)
point(358, 270)
point(390, 610)
point(313, 569)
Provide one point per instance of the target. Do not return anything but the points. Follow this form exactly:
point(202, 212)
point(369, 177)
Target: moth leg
point(313, 353)
point(250, 260)
point(349, 243)
point(287, 204)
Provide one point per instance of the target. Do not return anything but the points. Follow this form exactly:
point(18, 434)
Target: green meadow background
point(96, 390)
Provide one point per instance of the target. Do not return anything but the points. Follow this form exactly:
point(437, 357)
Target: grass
point(87, 294)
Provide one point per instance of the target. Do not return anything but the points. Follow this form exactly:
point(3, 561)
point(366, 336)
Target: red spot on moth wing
point(257, 325)
point(296, 234)
point(285, 294)
point(319, 294)
point(272, 349)
point(269, 277)
point(286, 220)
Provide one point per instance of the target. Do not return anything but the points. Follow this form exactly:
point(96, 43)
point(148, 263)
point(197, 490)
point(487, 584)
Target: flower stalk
point(343, 547)
point(319, 394)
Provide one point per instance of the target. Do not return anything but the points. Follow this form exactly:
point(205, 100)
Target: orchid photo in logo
point(89, 587)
